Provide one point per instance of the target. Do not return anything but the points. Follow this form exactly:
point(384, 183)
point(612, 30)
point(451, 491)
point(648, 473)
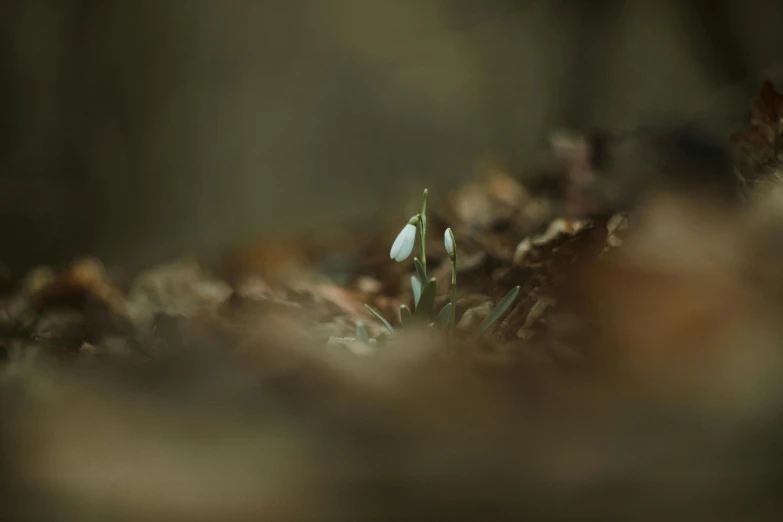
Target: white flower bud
point(403, 245)
point(448, 241)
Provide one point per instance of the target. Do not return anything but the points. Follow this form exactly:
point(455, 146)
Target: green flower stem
point(453, 318)
point(422, 232)
point(423, 229)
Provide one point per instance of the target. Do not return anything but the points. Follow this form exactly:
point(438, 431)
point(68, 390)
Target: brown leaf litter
point(758, 150)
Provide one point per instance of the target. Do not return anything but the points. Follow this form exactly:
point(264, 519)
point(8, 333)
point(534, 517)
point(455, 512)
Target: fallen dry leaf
point(758, 150)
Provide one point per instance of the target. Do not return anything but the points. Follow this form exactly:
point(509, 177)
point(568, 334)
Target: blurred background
point(138, 130)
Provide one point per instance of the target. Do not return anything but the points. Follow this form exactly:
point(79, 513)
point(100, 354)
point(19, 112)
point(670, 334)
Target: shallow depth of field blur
point(139, 129)
point(198, 198)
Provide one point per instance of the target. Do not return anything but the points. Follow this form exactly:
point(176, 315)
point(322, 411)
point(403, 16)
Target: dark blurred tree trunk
point(586, 64)
point(150, 126)
point(44, 190)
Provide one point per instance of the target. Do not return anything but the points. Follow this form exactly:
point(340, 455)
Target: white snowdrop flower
point(403, 245)
point(448, 240)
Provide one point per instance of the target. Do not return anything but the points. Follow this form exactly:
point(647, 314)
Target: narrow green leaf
point(361, 333)
point(500, 308)
point(420, 271)
point(427, 300)
point(406, 317)
point(445, 315)
point(416, 286)
point(380, 317)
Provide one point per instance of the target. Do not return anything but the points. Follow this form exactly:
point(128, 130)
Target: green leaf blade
point(445, 315)
point(416, 286)
point(381, 318)
point(406, 316)
point(420, 271)
point(427, 300)
point(361, 333)
point(500, 309)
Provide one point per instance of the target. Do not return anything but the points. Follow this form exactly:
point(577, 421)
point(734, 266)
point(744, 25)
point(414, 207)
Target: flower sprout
point(451, 249)
point(403, 245)
point(448, 241)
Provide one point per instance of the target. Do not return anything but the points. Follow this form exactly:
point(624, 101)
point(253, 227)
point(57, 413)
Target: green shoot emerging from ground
point(424, 288)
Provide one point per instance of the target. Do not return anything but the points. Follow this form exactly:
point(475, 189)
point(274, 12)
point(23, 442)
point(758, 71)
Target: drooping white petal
point(448, 241)
point(403, 245)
